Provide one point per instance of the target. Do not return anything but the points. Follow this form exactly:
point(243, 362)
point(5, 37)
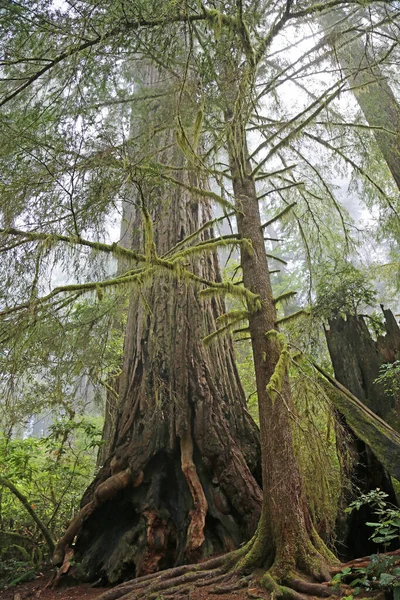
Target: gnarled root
point(105, 491)
point(173, 580)
point(226, 573)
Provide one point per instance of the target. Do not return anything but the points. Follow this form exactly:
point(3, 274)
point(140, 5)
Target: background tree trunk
point(182, 431)
point(370, 87)
point(356, 359)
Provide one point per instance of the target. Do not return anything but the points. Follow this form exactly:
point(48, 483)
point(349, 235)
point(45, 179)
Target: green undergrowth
point(383, 570)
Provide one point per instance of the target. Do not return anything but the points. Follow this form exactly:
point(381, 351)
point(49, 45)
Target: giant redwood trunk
point(356, 359)
point(178, 483)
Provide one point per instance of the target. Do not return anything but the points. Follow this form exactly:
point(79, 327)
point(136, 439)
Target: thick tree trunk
point(369, 84)
point(356, 360)
point(179, 481)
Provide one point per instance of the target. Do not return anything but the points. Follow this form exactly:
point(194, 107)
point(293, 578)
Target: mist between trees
point(225, 432)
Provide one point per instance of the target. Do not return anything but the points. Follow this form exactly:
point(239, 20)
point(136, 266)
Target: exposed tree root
point(108, 489)
point(257, 594)
point(313, 589)
point(170, 578)
point(234, 583)
point(227, 574)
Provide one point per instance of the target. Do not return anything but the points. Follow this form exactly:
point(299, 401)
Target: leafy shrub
point(52, 473)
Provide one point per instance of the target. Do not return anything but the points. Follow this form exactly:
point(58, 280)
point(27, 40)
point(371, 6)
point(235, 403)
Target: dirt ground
point(37, 590)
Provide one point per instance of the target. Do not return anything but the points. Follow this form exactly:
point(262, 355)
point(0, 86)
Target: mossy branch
point(139, 278)
point(237, 291)
point(275, 384)
point(292, 317)
point(50, 239)
point(227, 322)
point(278, 335)
point(185, 145)
point(233, 316)
point(149, 244)
point(214, 244)
point(194, 235)
point(284, 297)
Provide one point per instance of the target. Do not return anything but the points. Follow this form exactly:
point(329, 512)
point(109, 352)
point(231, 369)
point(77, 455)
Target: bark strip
point(195, 533)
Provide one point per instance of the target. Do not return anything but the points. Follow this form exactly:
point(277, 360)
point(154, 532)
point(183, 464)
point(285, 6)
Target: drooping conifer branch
point(50, 239)
point(284, 297)
point(281, 213)
point(355, 166)
point(237, 291)
point(325, 99)
point(209, 245)
point(101, 38)
point(200, 192)
point(277, 258)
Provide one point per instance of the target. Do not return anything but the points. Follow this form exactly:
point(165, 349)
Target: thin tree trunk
point(285, 539)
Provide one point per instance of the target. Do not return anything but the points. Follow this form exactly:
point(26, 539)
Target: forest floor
point(37, 590)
